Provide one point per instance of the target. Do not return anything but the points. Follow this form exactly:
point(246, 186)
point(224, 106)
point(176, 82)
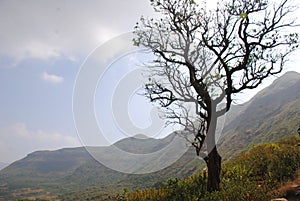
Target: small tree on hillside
point(205, 57)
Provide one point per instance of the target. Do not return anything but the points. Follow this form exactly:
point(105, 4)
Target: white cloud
point(39, 50)
point(54, 79)
point(16, 141)
point(50, 29)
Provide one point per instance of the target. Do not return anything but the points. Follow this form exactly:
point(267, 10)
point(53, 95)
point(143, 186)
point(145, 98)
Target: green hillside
point(274, 113)
point(67, 170)
point(265, 172)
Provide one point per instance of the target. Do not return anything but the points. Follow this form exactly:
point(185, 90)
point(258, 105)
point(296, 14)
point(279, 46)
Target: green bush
point(236, 184)
point(273, 163)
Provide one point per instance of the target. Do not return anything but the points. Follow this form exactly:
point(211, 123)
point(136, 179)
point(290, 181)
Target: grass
point(263, 173)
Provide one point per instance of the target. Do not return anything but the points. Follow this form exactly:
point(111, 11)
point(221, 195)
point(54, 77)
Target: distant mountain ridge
point(272, 114)
point(75, 168)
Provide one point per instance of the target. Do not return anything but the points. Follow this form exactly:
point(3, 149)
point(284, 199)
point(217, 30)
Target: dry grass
point(291, 190)
point(33, 194)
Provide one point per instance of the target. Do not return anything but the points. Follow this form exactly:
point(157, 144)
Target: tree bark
point(213, 161)
point(214, 170)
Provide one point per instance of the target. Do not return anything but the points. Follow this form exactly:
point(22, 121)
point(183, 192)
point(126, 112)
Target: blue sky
point(43, 46)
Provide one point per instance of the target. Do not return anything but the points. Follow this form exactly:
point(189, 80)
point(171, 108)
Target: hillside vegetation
point(262, 173)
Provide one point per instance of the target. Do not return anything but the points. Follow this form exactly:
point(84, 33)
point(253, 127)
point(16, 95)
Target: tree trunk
point(213, 160)
point(214, 170)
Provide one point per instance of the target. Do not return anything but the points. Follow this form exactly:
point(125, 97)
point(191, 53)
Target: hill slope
point(70, 169)
point(272, 114)
point(256, 174)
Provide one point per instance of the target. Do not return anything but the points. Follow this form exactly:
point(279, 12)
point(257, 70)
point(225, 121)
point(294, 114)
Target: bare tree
point(205, 57)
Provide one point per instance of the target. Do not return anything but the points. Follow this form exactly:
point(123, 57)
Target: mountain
point(64, 170)
point(272, 114)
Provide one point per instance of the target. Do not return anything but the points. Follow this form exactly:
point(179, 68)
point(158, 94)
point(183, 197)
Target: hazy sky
point(43, 45)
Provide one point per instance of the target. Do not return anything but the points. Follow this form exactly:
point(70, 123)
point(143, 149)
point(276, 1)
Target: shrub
point(254, 175)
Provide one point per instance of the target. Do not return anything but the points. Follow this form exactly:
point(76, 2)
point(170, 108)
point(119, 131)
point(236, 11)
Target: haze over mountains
point(3, 165)
point(272, 114)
